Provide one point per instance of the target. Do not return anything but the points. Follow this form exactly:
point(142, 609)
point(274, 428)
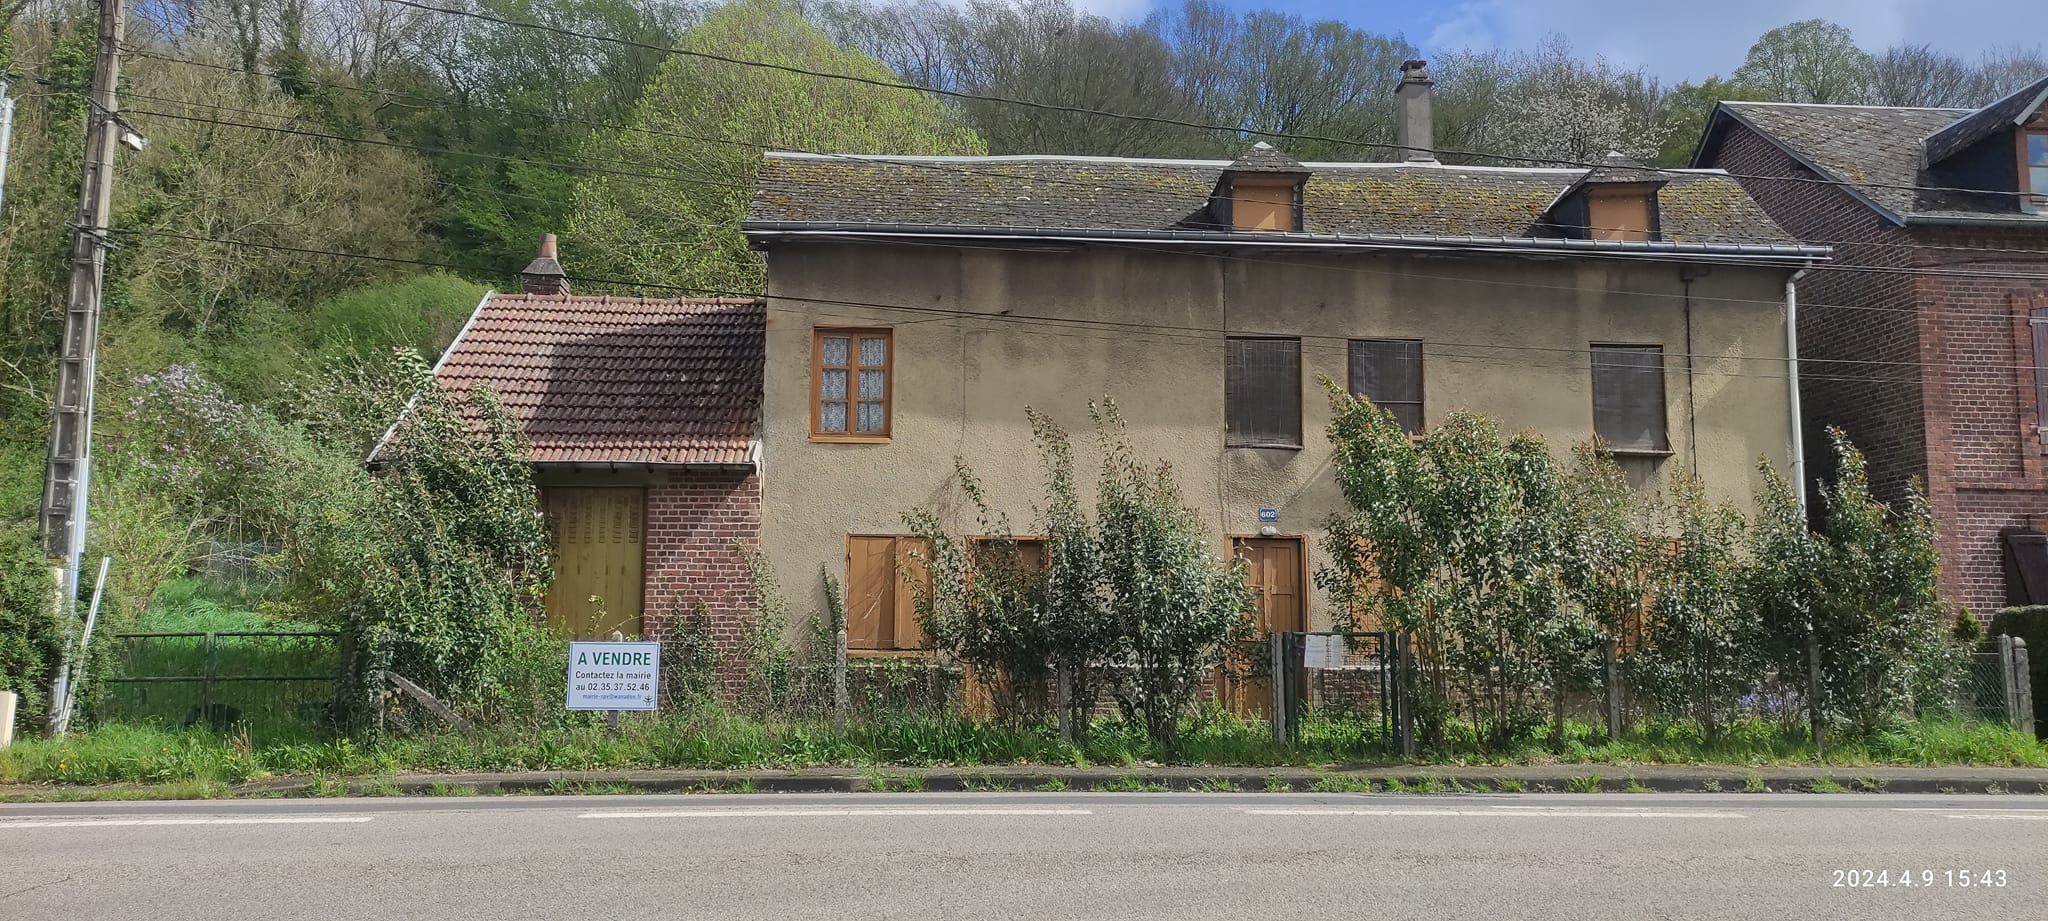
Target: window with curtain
point(850, 384)
point(1262, 393)
point(1389, 373)
point(1628, 398)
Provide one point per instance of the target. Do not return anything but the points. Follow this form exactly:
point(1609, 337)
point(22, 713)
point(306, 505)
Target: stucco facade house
point(917, 305)
point(1927, 338)
point(640, 416)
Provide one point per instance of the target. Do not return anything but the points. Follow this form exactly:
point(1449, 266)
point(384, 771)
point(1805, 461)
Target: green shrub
point(31, 639)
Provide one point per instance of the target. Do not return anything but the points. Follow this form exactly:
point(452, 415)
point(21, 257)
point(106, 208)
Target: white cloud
point(1689, 40)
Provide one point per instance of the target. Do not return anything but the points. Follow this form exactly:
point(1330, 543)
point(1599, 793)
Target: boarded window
point(1262, 393)
point(1389, 373)
point(2039, 322)
point(1628, 397)
point(851, 389)
point(881, 609)
point(1262, 205)
point(1619, 214)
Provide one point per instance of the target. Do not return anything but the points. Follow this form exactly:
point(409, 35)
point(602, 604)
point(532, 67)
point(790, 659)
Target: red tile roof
point(619, 380)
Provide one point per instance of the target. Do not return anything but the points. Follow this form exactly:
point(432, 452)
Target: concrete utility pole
point(70, 461)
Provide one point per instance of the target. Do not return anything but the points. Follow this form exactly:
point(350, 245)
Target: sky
point(1672, 39)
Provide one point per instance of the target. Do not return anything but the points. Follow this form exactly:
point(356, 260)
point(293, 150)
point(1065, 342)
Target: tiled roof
point(1980, 124)
point(619, 380)
point(1877, 150)
point(1265, 158)
point(1023, 194)
point(1618, 168)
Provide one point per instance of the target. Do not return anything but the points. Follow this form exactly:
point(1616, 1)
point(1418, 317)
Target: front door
point(1273, 571)
point(598, 553)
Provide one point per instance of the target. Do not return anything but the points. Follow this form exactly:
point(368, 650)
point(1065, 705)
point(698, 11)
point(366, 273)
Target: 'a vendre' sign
point(614, 676)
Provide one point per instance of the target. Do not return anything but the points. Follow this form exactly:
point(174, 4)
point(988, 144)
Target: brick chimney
point(1413, 129)
point(544, 274)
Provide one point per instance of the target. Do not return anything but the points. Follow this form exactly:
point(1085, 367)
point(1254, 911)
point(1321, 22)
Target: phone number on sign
point(593, 686)
point(1919, 879)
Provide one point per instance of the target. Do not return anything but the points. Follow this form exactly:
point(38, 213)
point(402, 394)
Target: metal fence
point(1344, 683)
point(275, 685)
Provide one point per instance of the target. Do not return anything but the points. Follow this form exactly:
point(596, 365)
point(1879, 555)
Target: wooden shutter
point(1262, 393)
point(1389, 373)
point(598, 551)
point(910, 568)
point(870, 592)
point(2039, 322)
point(1628, 397)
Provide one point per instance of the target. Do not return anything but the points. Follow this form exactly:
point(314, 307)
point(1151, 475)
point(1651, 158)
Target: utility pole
point(69, 471)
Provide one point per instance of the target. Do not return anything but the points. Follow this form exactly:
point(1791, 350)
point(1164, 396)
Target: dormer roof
point(1999, 116)
point(1265, 158)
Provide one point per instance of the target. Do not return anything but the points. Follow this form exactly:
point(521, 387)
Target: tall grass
point(717, 739)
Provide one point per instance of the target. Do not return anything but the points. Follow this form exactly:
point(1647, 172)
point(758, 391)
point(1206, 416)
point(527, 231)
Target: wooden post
point(1406, 661)
point(1276, 645)
point(1612, 666)
point(2005, 677)
point(611, 724)
point(434, 704)
point(1062, 688)
point(1813, 698)
point(839, 683)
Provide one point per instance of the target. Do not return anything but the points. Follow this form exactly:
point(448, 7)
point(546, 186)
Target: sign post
point(614, 677)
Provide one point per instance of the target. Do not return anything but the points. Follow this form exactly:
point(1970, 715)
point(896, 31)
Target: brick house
point(640, 416)
point(1926, 339)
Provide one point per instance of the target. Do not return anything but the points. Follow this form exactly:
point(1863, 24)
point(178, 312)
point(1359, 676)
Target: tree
point(1546, 105)
point(1808, 61)
point(1683, 115)
point(1183, 607)
point(698, 133)
point(1918, 75)
point(1702, 656)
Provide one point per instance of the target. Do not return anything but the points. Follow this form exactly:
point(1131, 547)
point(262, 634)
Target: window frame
point(2037, 324)
point(1230, 438)
point(2032, 200)
point(853, 369)
point(1421, 401)
point(1663, 398)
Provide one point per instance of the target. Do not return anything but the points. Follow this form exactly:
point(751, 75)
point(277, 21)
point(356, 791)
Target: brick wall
point(1930, 374)
point(699, 526)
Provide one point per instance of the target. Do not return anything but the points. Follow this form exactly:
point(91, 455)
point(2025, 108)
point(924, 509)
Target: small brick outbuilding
point(640, 415)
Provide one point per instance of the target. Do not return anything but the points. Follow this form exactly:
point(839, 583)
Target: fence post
point(2023, 686)
point(1061, 689)
point(1813, 698)
point(1610, 655)
point(1405, 663)
point(1277, 683)
point(839, 682)
point(2005, 680)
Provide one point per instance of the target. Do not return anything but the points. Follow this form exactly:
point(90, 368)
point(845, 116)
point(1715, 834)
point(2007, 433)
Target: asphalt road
point(1028, 856)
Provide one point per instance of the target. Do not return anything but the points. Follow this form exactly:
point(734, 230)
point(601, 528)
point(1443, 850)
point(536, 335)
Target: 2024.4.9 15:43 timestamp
point(1919, 879)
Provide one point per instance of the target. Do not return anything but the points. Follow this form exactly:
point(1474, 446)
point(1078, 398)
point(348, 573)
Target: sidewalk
point(1422, 778)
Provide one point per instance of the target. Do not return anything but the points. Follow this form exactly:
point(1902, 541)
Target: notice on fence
point(614, 676)
point(1322, 651)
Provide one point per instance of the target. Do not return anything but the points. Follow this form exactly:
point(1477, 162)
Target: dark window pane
point(1628, 397)
point(1262, 392)
point(1389, 373)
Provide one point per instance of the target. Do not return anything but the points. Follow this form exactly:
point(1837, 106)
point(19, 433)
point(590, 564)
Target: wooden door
point(598, 552)
point(1273, 571)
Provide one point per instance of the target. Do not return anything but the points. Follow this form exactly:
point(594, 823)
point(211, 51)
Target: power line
point(1152, 119)
point(1833, 266)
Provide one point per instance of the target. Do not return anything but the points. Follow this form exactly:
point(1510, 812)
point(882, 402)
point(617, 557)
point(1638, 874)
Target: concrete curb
point(1414, 779)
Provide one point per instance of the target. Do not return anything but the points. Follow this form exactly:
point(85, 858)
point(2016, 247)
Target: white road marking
point(1496, 813)
point(211, 820)
point(1963, 809)
point(2007, 816)
point(799, 812)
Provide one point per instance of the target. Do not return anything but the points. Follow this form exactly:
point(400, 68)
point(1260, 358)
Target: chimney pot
point(1414, 128)
point(544, 274)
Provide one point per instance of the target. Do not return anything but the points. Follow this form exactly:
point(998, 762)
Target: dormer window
point(2034, 171)
point(1260, 193)
point(1615, 201)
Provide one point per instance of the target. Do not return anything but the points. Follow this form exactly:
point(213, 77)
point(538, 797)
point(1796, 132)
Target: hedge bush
point(31, 641)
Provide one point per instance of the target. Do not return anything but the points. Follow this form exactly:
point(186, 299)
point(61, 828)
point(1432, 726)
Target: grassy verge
point(718, 740)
